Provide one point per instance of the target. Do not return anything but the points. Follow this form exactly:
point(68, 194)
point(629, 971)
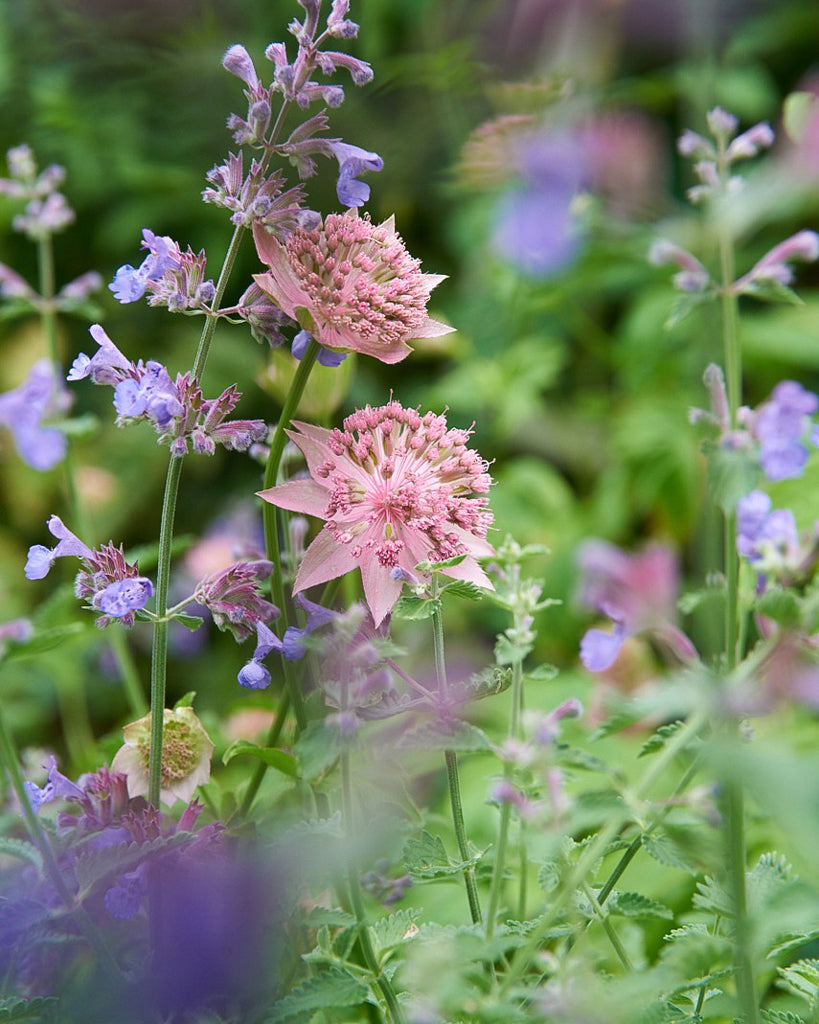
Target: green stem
point(451, 759)
point(608, 928)
point(127, 670)
point(273, 735)
point(733, 794)
point(8, 758)
point(596, 849)
point(354, 883)
point(271, 516)
point(506, 808)
point(159, 652)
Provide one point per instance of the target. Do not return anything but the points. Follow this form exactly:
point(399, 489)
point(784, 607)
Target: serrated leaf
point(333, 988)
point(634, 904)
point(426, 858)
point(465, 589)
point(665, 850)
point(272, 756)
point(387, 933)
point(684, 306)
point(508, 653)
point(320, 917)
point(801, 979)
point(781, 1017)
point(444, 563)
point(793, 942)
point(22, 849)
point(710, 895)
point(13, 1009)
point(441, 735)
point(415, 608)
point(660, 738)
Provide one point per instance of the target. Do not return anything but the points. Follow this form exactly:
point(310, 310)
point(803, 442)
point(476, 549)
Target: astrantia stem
point(451, 759)
point(271, 514)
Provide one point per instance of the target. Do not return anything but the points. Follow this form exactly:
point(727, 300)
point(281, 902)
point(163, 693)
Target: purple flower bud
point(238, 62)
point(338, 25)
point(694, 145)
point(721, 123)
point(748, 144)
point(254, 676)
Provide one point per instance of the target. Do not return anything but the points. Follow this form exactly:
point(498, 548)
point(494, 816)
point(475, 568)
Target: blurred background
point(578, 392)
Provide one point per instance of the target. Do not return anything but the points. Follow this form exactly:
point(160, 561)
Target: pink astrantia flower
point(396, 488)
point(351, 284)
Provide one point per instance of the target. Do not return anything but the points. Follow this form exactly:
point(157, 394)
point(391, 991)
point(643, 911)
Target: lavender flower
point(254, 675)
point(637, 592)
point(781, 426)
point(47, 210)
point(130, 283)
point(769, 539)
point(24, 411)
point(106, 581)
point(182, 417)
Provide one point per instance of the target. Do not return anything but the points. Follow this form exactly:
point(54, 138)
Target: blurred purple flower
point(782, 425)
point(534, 226)
point(637, 592)
point(24, 409)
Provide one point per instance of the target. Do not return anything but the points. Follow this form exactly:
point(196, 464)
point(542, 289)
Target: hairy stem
point(451, 759)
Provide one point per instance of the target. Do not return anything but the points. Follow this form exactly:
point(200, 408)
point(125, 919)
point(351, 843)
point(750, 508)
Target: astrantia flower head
point(186, 753)
point(396, 488)
point(352, 285)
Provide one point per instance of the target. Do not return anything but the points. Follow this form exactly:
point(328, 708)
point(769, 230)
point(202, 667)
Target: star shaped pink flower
point(395, 488)
point(351, 284)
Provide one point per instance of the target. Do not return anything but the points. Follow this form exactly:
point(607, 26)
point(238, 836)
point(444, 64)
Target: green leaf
point(426, 858)
point(771, 291)
point(387, 933)
point(634, 904)
point(13, 1009)
point(660, 737)
point(191, 622)
point(44, 640)
point(415, 608)
point(508, 653)
point(801, 979)
point(437, 734)
point(186, 701)
point(317, 750)
point(780, 605)
point(465, 589)
point(732, 473)
point(781, 1017)
point(320, 917)
point(798, 108)
point(271, 756)
point(333, 988)
point(22, 849)
point(684, 306)
point(445, 563)
point(665, 850)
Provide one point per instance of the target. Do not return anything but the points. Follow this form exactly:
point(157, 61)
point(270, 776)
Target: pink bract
point(351, 284)
point(396, 488)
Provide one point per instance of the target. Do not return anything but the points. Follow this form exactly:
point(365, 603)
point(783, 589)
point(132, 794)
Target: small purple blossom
point(123, 596)
point(326, 356)
point(637, 592)
point(781, 426)
point(24, 411)
point(353, 161)
point(317, 616)
point(768, 537)
point(40, 559)
point(254, 675)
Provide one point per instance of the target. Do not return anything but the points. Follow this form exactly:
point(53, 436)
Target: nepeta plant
point(313, 885)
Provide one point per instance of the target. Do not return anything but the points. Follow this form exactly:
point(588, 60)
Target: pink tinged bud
point(804, 245)
point(715, 382)
point(694, 145)
point(748, 144)
point(237, 61)
point(693, 276)
point(721, 123)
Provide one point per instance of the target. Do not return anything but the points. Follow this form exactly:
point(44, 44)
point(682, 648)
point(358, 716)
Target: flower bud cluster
point(107, 582)
point(177, 410)
point(715, 157)
point(47, 210)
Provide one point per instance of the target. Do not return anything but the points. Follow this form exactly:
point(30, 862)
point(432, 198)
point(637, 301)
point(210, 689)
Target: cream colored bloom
point(186, 754)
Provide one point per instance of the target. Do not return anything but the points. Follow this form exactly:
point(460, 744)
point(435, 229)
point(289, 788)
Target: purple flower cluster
point(25, 409)
point(777, 432)
point(46, 211)
point(726, 149)
point(177, 410)
point(107, 582)
point(638, 593)
point(254, 675)
point(172, 278)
